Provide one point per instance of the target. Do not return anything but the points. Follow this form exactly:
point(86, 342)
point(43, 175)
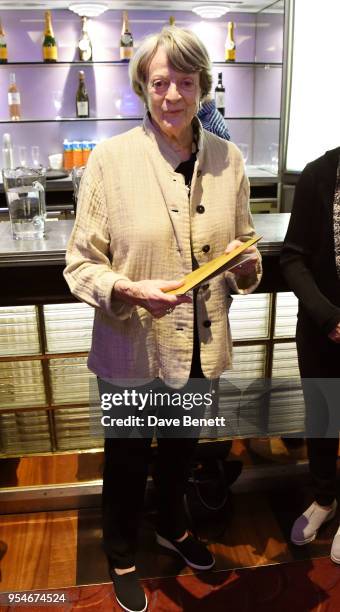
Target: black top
point(308, 255)
point(187, 169)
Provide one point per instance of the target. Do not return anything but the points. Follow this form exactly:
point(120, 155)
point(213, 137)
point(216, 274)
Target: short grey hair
point(185, 51)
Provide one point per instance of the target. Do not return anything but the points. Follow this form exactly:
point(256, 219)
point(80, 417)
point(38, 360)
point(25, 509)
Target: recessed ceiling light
point(88, 9)
point(210, 11)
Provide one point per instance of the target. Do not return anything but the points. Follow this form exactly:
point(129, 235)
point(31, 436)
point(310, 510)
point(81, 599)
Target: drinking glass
point(57, 96)
point(22, 156)
point(35, 154)
point(244, 148)
point(25, 193)
point(274, 157)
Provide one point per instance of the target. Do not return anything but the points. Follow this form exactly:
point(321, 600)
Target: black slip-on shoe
point(128, 591)
point(194, 552)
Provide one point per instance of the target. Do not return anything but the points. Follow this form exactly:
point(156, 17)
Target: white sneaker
point(335, 550)
point(307, 525)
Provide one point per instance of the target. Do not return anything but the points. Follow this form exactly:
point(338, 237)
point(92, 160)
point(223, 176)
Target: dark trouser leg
point(174, 459)
point(322, 453)
point(124, 481)
point(319, 358)
point(171, 477)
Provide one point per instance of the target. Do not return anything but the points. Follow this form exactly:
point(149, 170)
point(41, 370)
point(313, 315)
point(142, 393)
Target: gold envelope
point(213, 268)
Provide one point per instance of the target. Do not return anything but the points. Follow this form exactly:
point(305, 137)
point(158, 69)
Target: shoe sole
point(303, 542)
point(129, 609)
point(335, 560)
point(166, 544)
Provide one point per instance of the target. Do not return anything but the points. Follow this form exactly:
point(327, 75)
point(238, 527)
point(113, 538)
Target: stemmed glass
point(57, 96)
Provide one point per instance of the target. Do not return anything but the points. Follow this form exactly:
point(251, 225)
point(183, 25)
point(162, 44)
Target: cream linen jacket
point(137, 220)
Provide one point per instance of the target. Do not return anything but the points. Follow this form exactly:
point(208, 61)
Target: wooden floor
point(63, 549)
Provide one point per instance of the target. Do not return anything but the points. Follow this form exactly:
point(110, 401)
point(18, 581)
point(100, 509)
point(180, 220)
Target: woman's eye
point(187, 83)
point(159, 84)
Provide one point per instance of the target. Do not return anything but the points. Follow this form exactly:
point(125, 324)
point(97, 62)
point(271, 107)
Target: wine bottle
point(14, 103)
point(3, 46)
point(84, 45)
point(172, 20)
point(230, 46)
point(126, 40)
point(50, 51)
point(82, 98)
point(220, 95)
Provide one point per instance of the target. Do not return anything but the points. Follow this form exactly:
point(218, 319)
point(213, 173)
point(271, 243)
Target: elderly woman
point(310, 261)
point(156, 202)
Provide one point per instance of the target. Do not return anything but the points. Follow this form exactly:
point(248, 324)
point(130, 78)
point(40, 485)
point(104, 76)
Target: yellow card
point(213, 268)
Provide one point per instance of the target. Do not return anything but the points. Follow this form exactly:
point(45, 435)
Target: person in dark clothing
point(310, 261)
point(212, 119)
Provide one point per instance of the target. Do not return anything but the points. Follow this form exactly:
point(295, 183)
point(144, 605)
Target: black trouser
point(319, 358)
point(124, 481)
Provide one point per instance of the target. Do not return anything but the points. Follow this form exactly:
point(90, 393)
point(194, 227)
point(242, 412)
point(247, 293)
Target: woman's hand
point(150, 294)
point(247, 267)
point(335, 334)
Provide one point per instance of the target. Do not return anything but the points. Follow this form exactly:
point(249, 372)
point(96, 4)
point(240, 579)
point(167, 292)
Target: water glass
point(35, 154)
point(274, 157)
point(25, 193)
point(22, 156)
point(244, 148)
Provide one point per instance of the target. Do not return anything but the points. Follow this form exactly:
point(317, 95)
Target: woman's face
point(173, 97)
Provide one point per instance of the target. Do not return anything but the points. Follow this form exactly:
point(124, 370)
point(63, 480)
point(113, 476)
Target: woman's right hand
point(335, 334)
point(150, 294)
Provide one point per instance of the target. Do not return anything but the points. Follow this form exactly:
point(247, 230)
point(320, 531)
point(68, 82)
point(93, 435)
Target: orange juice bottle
point(68, 155)
point(77, 153)
point(86, 151)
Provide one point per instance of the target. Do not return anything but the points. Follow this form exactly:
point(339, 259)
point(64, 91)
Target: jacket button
point(207, 323)
point(206, 248)
point(199, 172)
point(200, 209)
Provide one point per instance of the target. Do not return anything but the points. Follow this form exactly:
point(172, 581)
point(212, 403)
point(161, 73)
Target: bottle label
point(126, 53)
point(219, 99)
point(50, 53)
point(13, 97)
point(126, 40)
point(230, 54)
point(82, 109)
point(85, 51)
point(3, 52)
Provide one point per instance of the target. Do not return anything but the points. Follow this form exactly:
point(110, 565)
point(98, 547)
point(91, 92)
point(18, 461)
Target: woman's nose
point(172, 92)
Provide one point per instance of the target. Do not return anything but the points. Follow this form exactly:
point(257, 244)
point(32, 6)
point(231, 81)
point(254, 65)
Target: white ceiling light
point(210, 11)
point(88, 9)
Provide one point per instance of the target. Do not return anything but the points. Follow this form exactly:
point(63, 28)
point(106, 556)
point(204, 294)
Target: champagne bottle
point(126, 40)
point(82, 98)
point(50, 51)
point(3, 46)
point(84, 45)
point(230, 46)
point(220, 95)
point(13, 99)
point(172, 20)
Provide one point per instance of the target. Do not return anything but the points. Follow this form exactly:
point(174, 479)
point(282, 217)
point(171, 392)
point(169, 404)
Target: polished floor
point(57, 550)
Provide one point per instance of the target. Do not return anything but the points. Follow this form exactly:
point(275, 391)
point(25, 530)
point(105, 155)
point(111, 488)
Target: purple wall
point(250, 91)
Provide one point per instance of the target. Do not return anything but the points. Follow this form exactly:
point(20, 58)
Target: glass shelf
point(131, 118)
point(121, 63)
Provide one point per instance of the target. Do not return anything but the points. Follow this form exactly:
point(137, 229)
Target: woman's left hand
point(246, 267)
